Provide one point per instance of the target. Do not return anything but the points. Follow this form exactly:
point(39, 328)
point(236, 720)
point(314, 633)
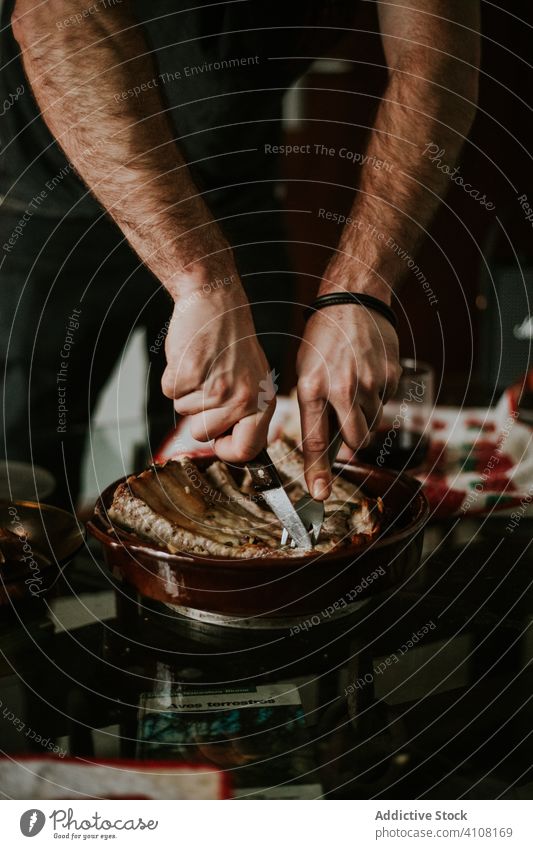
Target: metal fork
point(311, 512)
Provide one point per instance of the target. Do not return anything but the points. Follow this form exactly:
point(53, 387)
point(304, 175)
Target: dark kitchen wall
point(337, 111)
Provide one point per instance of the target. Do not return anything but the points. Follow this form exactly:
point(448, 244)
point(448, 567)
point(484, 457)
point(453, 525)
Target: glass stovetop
point(427, 694)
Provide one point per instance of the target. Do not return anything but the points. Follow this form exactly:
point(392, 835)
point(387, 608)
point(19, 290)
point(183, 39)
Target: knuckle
point(371, 387)
point(315, 444)
point(344, 391)
point(372, 380)
point(169, 383)
point(310, 387)
point(243, 399)
point(219, 390)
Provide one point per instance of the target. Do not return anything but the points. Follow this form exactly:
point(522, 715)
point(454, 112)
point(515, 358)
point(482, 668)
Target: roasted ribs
point(182, 509)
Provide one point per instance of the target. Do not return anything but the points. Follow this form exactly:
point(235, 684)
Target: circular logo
point(32, 822)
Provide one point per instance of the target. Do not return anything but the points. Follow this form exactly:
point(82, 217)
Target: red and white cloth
point(479, 460)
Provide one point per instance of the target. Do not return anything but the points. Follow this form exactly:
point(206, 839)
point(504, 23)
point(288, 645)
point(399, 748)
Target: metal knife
point(266, 480)
point(310, 511)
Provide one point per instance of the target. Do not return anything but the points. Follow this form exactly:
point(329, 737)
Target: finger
point(209, 424)
point(372, 409)
point(203, 400)
point(315, 443)
point(345, 454)
point(192, 404)
point(175, 383)
point(390, 387)
point(247, 439)
point(354, 426)
point(218, 394)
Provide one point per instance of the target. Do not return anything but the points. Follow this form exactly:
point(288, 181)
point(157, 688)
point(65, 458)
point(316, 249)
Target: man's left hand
point(349, 361)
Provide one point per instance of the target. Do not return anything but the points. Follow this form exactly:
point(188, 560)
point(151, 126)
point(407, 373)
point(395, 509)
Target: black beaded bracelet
point(367, 301)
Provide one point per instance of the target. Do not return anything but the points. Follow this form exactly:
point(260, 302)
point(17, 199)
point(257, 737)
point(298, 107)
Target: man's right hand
point(216, 370)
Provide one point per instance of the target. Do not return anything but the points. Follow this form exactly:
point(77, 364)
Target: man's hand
point(349, 361)
point(217, 372)
point(349, 356)
point(216, 369)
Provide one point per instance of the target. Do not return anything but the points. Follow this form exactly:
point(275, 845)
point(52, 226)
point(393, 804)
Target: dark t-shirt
point(222, 71)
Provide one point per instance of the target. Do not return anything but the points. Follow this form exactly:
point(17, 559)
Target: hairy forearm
point(429, 99)
point(121, 147)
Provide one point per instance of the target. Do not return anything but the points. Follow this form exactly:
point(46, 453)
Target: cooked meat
point(220, 476)
point(289, 462)
point(180, 508)
point(137, 515)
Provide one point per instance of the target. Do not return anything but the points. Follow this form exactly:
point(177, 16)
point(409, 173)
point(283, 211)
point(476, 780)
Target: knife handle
point(263, 472)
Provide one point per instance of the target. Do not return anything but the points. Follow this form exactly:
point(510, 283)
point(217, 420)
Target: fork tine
point(311, 512)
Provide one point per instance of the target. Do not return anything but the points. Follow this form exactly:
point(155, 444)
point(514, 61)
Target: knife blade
point(266, 480)
point(310, 511)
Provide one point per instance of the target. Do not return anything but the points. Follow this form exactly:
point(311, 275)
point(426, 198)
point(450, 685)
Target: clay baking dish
point(274, 589)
